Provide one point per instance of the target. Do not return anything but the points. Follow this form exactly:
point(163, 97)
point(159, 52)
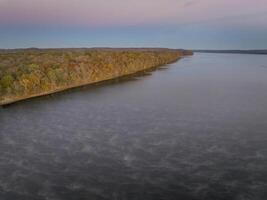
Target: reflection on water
point(195, 130)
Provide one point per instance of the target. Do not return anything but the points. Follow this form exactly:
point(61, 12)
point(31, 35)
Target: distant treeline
point(233, 51)
point(26, 73)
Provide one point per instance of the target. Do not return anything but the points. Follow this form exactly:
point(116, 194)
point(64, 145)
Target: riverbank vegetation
point(33, 72)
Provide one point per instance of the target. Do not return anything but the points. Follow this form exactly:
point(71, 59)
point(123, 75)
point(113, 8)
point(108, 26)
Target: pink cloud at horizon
point(130, 12)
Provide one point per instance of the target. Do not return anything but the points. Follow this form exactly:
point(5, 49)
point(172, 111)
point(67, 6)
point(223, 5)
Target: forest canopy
point(29, 72)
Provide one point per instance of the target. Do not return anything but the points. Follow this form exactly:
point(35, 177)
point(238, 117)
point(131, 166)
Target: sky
point(190, 24)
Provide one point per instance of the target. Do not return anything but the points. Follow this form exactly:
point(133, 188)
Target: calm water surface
point(193, 130)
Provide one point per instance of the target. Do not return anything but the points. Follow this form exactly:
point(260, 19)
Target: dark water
point(194, 130)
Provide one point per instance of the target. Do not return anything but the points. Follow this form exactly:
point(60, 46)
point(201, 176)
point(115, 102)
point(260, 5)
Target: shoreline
point(12, 100)
point(9, 102)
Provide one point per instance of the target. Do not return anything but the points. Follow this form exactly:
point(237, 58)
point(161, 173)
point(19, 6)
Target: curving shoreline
point(87, 66)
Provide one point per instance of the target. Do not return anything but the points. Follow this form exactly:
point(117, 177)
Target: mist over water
point(192, 130)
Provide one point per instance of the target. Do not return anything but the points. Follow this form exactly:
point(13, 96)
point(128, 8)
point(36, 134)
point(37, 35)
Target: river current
point(192, 130)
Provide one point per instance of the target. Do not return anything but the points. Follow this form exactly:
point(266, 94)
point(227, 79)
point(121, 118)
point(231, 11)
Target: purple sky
point(38, 23)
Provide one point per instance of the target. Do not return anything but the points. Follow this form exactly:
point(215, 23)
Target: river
point(192, 130)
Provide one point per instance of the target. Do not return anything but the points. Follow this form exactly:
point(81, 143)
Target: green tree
point(7, 81)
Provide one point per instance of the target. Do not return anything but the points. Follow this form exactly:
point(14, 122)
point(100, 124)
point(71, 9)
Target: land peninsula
point(27, 73)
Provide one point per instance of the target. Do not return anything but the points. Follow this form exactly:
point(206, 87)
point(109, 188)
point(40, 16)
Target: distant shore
point(260, 52)
point(39, 72)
